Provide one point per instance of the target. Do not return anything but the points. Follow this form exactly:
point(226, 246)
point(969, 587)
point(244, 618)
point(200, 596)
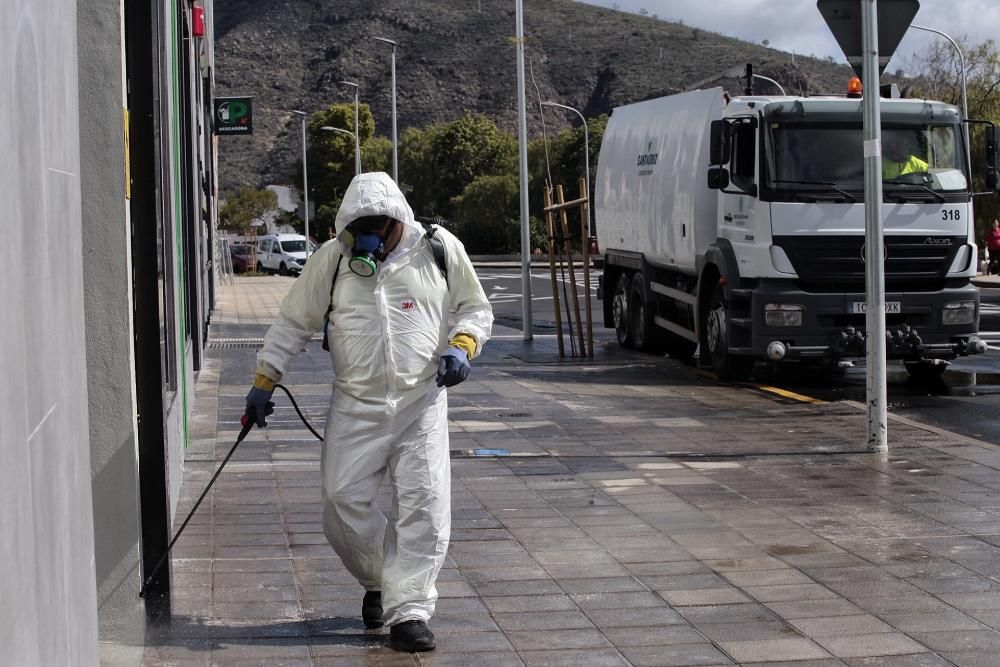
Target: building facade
point(105, 106)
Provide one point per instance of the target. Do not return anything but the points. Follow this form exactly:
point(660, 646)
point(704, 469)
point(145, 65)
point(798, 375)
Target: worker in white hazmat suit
point(380, 291)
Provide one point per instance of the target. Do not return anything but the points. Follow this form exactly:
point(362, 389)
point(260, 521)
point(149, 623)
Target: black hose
point(299, 412)
point(248, 421)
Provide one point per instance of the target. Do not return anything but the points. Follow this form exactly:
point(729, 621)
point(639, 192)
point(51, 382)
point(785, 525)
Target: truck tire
point(620, 311)
point(727, 366)
point(646, 336)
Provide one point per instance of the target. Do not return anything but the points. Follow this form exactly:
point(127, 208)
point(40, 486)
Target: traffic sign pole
point(874, 269)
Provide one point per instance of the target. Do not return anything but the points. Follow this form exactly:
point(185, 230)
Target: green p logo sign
point(233, 115)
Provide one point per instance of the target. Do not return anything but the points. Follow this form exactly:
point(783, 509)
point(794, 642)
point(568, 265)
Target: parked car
point(281, 253)
point(241, 255)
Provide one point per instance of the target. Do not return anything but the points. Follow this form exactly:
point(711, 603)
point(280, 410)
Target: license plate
point(859, 307)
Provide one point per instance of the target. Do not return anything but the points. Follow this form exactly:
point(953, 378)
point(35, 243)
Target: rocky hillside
point(458, 56)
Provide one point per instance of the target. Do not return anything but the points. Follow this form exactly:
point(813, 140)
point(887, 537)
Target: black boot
point(411, 637)
point(371, 609)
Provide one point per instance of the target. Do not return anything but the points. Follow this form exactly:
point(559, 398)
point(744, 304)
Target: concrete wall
point(49, 611)
point(107, 286)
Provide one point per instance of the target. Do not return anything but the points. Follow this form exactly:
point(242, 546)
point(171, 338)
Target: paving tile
point(655, 635)
point(542, 620)
point(814, 608)
point(703, 596)
point(825, 626)
point(573, 658)
point(529, 603)
point(958, 641)
point(886, 643)
point(637, 617)
point(911, 660)
point(754, 630)
point(539, 640)
point(791, 648)
point(675, 655)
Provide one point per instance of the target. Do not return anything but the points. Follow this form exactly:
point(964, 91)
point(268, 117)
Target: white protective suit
point(386, 335)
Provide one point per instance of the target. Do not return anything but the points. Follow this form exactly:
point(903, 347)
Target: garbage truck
point(735, 228)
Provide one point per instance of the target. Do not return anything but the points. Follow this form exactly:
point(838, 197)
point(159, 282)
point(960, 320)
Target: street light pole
point(357, 130)
point(965, 99)
point(305, 176)
point(395, 153)
point(340, 130)
point(522, 142)
point(586, 145)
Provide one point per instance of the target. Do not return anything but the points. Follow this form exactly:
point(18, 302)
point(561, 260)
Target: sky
point(796, 25)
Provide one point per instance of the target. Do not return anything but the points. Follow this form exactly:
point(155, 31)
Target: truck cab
point(793, 214)
point(762, 255)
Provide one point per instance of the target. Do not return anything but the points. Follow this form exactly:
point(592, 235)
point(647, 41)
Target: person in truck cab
point(898, 158)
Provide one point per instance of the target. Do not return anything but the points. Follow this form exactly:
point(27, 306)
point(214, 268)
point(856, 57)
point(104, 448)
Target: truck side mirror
point(718, 178)
point(718, 147)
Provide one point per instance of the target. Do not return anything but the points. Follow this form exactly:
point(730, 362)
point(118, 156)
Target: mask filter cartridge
point(368, 250)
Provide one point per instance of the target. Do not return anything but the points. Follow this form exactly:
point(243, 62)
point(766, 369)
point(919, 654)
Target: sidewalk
point(617, 511)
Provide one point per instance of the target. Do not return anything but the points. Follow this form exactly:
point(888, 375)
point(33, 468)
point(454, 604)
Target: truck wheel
point(283, 269)
point(620, 311)
point(727, 366)
point(646, 336)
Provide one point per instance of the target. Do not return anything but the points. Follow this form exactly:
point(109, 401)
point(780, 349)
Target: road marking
point(790, 394)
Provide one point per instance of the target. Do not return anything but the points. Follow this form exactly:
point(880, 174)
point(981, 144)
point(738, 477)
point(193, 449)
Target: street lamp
point(340, 130)
point(395, 156)
point(305, 176)
point(965, 103)
point(586, 146)
point(522, 149)
point(357, 130)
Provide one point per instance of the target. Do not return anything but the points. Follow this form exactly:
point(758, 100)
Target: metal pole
point(357, 130)
point(586, 146)
point(305, 178)
point(395, 152)
point(874, 270)
point(522, 140)
point(965, 98)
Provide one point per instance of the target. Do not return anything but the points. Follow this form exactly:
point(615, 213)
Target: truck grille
point(836, 263)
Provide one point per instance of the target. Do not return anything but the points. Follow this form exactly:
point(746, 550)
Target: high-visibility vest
point(912, 165)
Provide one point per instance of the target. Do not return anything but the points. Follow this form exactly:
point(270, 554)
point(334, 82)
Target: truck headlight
point(959, 312)
point(782, 315)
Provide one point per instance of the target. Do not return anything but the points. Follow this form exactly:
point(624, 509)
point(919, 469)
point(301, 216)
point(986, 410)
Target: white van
point(281, 253)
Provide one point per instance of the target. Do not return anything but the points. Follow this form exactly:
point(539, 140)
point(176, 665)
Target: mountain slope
point(455, 58)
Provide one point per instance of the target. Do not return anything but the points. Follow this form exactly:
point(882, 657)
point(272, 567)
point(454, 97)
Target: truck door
point(737, 203)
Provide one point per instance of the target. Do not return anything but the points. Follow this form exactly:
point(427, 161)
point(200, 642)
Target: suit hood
point(374, 193)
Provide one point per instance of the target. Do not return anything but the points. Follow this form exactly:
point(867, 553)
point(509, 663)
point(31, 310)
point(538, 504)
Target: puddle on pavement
point(791, 549)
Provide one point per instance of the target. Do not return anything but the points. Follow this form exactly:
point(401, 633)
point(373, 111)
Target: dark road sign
point(844, 19)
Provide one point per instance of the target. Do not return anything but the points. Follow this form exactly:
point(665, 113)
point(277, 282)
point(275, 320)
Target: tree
point(247, 208)
point(331, 154)
point(437, 163)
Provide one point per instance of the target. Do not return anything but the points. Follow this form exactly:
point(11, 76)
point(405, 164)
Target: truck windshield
point(919, 159)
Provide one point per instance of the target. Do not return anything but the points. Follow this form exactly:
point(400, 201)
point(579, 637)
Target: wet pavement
point(615, 511)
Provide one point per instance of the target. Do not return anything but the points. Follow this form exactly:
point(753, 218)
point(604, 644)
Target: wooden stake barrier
point(562, 206)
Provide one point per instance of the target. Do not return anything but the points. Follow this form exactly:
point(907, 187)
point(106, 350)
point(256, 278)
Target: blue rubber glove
point(453, 367)
point(259, 405)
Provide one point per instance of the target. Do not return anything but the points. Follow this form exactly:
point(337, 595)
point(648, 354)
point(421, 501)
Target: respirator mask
point(367, 237)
